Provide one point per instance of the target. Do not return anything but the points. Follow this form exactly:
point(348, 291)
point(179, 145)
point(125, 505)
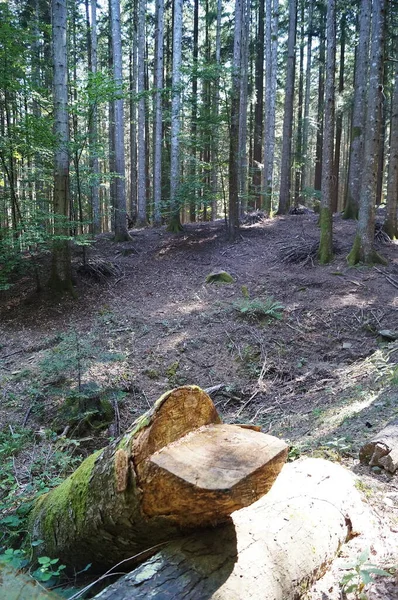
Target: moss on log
point(177, 467)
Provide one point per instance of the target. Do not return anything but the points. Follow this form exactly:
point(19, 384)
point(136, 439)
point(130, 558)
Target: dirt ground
point(321, 376)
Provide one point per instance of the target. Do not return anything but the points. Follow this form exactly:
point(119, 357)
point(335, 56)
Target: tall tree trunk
point(391, 222)
point(121, 233)
point(321, 94)
point(133, 111)
point(339, 118)
point(194, 112)
point(299, 131)
point(286, 160)
point(91, 19)
point(242, 150)
point(234, 163)
point(141, 147)
point(355, 167)
point(326, 215)
point(216, 102)
point(306, 117)
point(271, 65)
point(175, 222)
point(259, 106)
point(363, 248)
point(158, 129)
point(61, 271)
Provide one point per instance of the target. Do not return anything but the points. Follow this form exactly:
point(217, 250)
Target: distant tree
point(363, 248)
point(141, 179)
point(121, 233)
point(158, 113)
point(286, 160)
point(326, 214)
point(307, 96)
point(61, 270)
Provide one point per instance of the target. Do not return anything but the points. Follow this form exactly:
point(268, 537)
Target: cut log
point(17, 586)
point(177, 467)
point(271, 550)
point(382, 449)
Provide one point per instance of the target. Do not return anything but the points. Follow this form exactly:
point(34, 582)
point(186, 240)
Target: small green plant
point(359, 576)
point(340, 445)
point(256, 308)
point(48, 571)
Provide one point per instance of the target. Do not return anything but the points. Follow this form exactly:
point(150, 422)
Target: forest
point(198, 307)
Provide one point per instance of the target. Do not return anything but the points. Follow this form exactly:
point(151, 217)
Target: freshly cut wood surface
point(382, 449)
point(209, 473)
point(271, 550)
point(176, 467)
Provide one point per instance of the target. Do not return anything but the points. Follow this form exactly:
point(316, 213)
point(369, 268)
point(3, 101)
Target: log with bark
point(178, 467)
point(272, 550)
point(382, 449)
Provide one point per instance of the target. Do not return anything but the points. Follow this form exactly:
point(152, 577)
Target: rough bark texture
point(286, 160)
point(382, 449)
point(177, 467)
point(271, 64)
point(141, 146)
point(358, 113)
point(306, 119)
point(269, 551)
point(363, 249)
point(326, 215)
point(158, 112)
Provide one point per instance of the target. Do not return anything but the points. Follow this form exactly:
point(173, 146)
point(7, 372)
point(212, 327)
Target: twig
point(214, 388)
point(246, 403)
point(11, 354)
point(27, 415)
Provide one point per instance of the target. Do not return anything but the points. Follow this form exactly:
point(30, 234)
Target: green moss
point(356, 132)
point(354, 256)
point(62, 501)
point(357, 255)
point(350, 210)
point(219, 277)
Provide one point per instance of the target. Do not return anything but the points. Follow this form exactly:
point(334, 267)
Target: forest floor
point(316, 372)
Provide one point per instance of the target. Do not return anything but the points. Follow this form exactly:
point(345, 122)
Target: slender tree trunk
point(91, 19)
point(299, 131)
point(326, 214)
point(286, 160)
point(141, 186)
point(121, 233)
point(158, 129)
point(321, 94)
point(133, 112)
point(175, 222)
point(216, 102)
point(391, 222)
point(61, 271)
point(242, 151)
point(259, 106)
point(359, 113)
point(234, 163)
point(363, 248)
point(271, 65)
point(339, 118)
point(194, 112)
point(306, 117)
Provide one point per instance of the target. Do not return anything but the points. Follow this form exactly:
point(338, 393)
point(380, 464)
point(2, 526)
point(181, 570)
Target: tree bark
point(306, 118)
point(270, 551)
point(259, 106)
point(326, 215)
point(358, 113)
point(271, 66)
point(391, 222)
point(321, 94)
point(363, 248)
point(121, 233)
point(177, 467)
point(141, 146)
point(158, 112)
point(61, 269)
point(286, 160)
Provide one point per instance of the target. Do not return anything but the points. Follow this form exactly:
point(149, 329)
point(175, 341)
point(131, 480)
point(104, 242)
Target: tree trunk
point(326, 215)
point(391, 222)
point(234, 163)
point(61, 270)
point(363, 248)
point(306, 118)
point(177, 467)
point(133, 111)
point(141, 178)
point(121, 233)
point(271, 66)
point(382, 449)
point(216, 102)
point(174, 220)
point(270, 551)
point(286, 160)
point(359, 113)
point(258, 107)
point(242, 149)
point(91, 9)
point(321, 93)
point(339, 117)
point(299, 130)
point(158, 129)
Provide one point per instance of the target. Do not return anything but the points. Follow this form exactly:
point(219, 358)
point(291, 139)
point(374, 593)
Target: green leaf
point(44, 560)
point(377, 571)
point(366, 577)
point(363, 557)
